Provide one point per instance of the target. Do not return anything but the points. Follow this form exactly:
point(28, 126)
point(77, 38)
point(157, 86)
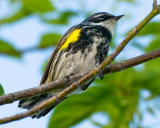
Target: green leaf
point(8, 49)
point(153, 66)
point(23, 12)
point(150, 28)
point(50, 39)
point(154, 44)
point(29, 6)
point(149, 78)
point(40, 6)
point(76, 108)
point(111, 95)
point(62, 19)
point(1, 90)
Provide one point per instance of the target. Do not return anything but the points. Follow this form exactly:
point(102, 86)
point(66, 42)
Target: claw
point(68, 80)
point(100, 74)
point(67, 77)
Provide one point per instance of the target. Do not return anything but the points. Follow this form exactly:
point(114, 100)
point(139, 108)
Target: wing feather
point(53, 56)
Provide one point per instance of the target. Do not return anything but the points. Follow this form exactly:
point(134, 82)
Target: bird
point(82, 48)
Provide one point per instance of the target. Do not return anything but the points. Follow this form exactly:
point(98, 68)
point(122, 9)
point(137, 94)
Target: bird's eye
point(101, 17)
point(97, 19)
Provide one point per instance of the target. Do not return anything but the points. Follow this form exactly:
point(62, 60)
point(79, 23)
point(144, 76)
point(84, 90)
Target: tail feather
point(31, 102)
point(46, 110)
point(28, 103)
point(43, 112)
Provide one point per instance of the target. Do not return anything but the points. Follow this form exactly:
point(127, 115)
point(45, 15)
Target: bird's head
point(103, 19)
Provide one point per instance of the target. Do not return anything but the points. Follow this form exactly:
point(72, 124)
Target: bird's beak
point(118, 17)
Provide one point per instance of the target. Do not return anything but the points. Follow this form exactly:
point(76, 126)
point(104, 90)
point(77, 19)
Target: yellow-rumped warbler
point(82, 48)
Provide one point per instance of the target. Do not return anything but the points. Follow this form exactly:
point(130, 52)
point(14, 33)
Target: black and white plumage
point(82, 48)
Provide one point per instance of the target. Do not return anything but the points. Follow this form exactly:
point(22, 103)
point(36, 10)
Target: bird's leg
point(100, 74)
point(68, 78)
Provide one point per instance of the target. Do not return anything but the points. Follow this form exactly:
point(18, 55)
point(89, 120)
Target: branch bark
point(53, 85)
point(95, 71)
point(45, 88)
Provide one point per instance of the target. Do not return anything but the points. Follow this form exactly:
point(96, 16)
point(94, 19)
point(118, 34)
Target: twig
point(120, 66)
point(45, 88)
point(109, 69)
point(155, 4)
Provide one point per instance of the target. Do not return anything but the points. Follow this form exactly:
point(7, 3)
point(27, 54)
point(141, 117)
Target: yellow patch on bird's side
point(72, 38)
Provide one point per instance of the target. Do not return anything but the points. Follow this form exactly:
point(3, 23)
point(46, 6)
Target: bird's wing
point(53, 56)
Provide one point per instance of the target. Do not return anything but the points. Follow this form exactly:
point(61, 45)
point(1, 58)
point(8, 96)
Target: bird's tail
point(36, 100)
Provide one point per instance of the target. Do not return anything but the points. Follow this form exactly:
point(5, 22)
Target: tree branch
point(91, 74)
point(45, 88)
point(54, 85)
point(120, 66)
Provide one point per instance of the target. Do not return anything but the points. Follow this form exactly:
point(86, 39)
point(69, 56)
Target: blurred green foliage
point(8, 49)
point(152, 28)
point(113, 99)
point(117, 96)
point(23, 12)
point(50, 39)
point(39, 6)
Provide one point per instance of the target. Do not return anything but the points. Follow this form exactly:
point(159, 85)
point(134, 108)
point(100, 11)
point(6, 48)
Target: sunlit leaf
point(1, 90)
point(50, 39)
point(38, 5)
point(8, 49)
